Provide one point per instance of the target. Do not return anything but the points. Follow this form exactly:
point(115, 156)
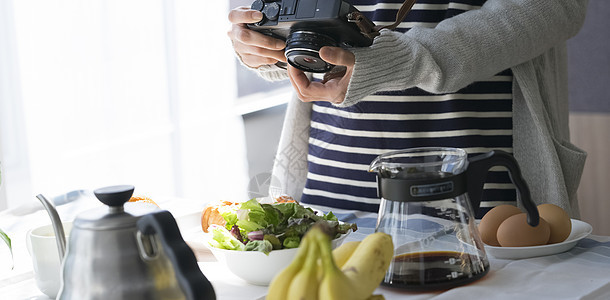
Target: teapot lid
point(113, 215)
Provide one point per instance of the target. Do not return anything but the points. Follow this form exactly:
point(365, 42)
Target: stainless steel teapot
point(113, 254)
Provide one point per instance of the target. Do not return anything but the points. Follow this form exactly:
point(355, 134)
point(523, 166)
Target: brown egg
point(488, 227)
point(515, 232)
point(558, 220)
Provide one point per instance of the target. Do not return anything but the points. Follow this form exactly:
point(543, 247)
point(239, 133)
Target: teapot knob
point(114, 196)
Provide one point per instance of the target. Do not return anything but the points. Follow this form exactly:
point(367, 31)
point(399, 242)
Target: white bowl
point(257, 268)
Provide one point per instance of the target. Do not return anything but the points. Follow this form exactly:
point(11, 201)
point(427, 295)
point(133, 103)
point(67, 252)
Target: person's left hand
point(333, 90)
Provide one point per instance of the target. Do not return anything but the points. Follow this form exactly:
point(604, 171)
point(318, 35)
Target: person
point(473, 74)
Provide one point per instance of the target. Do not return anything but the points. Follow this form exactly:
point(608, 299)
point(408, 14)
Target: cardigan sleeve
point(272, 72)
point(463, 49)
point(275, 72)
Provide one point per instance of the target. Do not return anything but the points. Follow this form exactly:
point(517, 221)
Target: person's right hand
point(255, 49)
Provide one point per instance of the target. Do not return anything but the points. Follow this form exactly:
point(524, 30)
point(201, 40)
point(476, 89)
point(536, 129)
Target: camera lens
point(303, 51)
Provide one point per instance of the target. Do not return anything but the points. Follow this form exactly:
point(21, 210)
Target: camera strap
point(369, 29)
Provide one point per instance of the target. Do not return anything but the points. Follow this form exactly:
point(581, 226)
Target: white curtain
point(108, 92)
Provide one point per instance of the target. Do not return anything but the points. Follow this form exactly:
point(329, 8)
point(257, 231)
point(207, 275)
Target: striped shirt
point(345, 140)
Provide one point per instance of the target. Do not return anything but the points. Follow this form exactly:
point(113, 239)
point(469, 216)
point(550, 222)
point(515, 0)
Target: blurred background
point(149, 93)
point(589, 79)
point(103, 92)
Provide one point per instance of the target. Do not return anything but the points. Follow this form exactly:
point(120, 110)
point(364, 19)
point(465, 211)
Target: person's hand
point(331, 90)
point(254, 48)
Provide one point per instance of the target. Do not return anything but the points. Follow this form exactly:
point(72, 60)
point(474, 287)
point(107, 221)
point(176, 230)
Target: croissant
point(212, 216)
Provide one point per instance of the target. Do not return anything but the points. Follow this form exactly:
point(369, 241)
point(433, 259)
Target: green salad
point(266, 227)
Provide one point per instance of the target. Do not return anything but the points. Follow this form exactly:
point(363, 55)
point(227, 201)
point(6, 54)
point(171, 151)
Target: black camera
point(307, 26)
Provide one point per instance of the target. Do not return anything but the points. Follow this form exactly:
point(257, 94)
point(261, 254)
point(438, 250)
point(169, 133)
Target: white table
point(581, 273)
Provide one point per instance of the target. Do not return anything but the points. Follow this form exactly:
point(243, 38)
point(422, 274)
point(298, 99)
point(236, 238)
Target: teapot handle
point(479, 165)
point(194, 284)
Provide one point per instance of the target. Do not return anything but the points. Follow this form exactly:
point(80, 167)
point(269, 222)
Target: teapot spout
point(58, 228)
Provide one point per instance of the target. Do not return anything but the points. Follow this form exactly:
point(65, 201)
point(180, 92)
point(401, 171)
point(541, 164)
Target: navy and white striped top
point(344, 141)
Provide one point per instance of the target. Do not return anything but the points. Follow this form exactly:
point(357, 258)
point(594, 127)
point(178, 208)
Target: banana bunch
point(351, 272)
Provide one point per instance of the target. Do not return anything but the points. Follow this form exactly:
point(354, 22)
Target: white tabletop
point(580, 273)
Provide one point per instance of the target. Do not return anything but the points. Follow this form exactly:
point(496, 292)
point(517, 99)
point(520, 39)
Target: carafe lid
point(421, 174)
point(419, 162)
point(113, 215)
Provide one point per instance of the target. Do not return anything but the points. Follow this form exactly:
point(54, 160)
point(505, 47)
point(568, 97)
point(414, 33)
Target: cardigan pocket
point(572, 161)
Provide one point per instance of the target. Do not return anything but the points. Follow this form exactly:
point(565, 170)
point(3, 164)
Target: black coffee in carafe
point(428, 198)
point(435, 270)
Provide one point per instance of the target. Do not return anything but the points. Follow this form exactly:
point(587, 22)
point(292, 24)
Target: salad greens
point(266, 227)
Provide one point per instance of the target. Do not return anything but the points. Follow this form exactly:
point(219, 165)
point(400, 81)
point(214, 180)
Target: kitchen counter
point(580, 273)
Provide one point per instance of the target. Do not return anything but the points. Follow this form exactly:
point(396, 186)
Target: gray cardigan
point(527, 36)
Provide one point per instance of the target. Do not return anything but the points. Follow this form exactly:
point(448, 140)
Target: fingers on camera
point(337, 56)
point(244, 14)
point(252, 38)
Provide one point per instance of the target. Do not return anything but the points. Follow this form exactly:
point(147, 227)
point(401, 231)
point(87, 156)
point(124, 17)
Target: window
point(103, 92)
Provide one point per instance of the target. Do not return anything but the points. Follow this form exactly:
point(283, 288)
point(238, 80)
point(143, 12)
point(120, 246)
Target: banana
point(364, 266)
point(334, 285)
point(342, 253)
point(304, 285)
point(367, 266)
point(278, 289)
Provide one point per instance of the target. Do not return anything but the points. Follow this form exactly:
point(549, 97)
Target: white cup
point(42, 246)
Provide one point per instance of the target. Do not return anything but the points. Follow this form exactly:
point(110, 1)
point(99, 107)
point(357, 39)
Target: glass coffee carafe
point(428, 200)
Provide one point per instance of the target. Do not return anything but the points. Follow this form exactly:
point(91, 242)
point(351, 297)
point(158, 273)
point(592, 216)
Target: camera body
point(307, 26)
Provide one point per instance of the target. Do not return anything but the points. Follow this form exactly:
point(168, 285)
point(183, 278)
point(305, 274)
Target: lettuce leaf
point(262, 214)
point(229, 216)
point(295, 211)
point(330, 216)
point(292, 242)
point(273, 240)
point(262, 245)
point(223, 239)
point(248, 225)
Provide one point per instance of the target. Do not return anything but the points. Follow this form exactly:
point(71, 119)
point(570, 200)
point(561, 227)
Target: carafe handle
point(479, 165)
point(193, 283)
